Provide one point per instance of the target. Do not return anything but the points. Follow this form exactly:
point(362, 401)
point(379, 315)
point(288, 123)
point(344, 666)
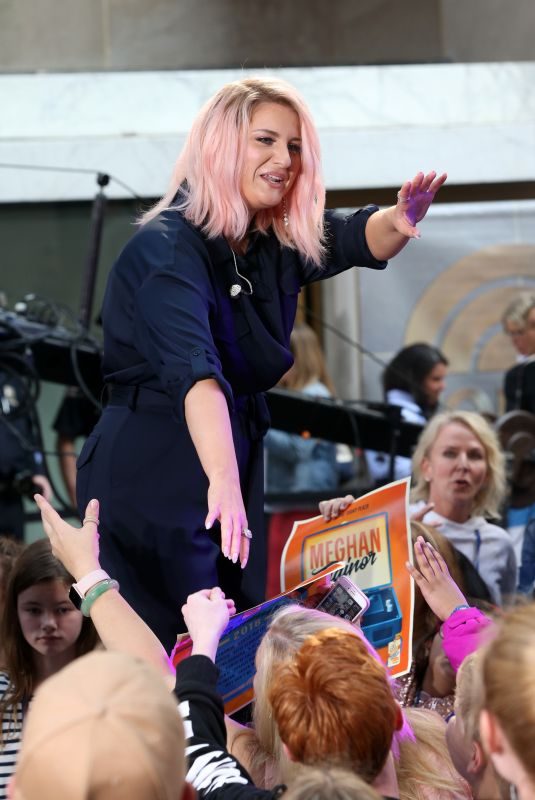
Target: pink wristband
point(89, 580)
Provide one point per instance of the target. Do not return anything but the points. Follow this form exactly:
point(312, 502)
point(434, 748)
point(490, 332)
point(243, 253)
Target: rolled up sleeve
point(346, 245)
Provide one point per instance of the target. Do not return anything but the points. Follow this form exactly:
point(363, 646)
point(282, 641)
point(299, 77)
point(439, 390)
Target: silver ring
point(90, 518)
point(403, 199)
point(247, 533)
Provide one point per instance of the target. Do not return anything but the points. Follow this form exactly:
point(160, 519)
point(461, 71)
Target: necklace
point(236, 289)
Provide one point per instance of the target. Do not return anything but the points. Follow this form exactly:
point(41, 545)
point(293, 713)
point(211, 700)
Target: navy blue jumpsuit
point(169, 321)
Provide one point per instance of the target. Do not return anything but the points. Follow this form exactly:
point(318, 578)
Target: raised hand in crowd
point(206, 614)
point(76, 548)
point(118, 625)
point(432, 577)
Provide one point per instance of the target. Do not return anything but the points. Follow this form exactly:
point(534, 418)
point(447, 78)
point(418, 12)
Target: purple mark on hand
point(417, 206)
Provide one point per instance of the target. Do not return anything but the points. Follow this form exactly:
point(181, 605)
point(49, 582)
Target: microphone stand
point(91, 264)
point(394, 416)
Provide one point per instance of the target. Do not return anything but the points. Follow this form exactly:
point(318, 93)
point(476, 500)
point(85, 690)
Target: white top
point(488, 547)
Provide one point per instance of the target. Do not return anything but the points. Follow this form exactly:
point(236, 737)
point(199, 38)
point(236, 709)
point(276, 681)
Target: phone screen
point(339, 603)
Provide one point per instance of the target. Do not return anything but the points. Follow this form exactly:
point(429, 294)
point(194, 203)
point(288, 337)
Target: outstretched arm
point(117, 624)
point(208, 423)
point(213, 771)
point(389, 230)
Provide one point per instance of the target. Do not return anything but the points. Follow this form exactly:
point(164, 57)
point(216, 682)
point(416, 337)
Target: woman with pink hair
point(197, 317)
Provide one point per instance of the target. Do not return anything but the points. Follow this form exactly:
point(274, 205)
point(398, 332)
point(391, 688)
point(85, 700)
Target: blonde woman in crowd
point(459, 484)
point(458, 470)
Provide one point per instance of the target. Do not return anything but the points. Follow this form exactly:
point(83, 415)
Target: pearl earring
point(285, 217)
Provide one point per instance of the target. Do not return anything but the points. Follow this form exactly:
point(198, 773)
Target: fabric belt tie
point(252, 406)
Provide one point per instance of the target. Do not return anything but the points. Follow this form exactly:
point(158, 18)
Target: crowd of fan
point(88, 709)
point(90, 706)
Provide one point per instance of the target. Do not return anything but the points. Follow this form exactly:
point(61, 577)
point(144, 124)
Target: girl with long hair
point(41, 632)
point(413, 381)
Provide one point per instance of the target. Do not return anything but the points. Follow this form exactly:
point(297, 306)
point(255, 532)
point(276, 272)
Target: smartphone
point(344, 599)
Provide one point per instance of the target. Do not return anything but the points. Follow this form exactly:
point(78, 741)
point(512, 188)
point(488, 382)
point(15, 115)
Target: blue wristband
point(459, 608)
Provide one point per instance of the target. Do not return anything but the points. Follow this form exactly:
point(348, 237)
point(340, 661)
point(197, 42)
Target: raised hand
point(206, 614)
point(414, 199)
point(76, 548)
point(440, 591)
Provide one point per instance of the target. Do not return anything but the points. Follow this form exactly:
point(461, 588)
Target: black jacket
point(211, 769)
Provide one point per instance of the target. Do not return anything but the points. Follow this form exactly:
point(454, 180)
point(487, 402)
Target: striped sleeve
point(11, 736)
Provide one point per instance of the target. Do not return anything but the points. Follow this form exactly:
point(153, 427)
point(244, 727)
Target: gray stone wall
point(78, 35)
point(488, 30)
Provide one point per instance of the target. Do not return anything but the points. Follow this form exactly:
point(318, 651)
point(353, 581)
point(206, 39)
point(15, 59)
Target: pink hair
point(209, 171)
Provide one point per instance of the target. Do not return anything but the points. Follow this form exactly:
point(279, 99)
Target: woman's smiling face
point(273, 156)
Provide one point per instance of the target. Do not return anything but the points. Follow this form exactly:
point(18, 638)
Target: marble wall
point(377, 125)
point(487, 30)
